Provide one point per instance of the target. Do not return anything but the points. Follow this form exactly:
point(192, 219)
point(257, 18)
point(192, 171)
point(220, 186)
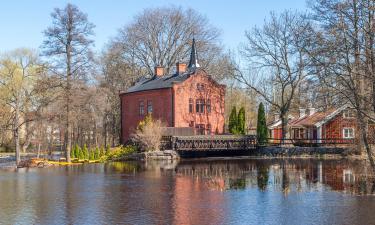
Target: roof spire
point(193, 63)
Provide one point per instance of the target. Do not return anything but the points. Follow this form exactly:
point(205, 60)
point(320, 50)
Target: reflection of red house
point(333, 125)
point(187, 98)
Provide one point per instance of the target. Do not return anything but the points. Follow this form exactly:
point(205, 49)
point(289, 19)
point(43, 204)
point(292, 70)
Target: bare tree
point(162, 37)
point(67, 43)
point(344, 57)
point(277, 60)
point(20, 71)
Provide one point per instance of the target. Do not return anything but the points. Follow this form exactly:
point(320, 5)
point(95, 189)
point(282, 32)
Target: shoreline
point(8, 161)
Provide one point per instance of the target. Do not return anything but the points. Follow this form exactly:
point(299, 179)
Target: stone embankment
point(303, 151)
point(156, 155)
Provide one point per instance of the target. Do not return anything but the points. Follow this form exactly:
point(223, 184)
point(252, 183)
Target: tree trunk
point(38, 153)
point(284, 126)
point(364, 141)
point(16, 132)
point(113, 129)
point(68, 93)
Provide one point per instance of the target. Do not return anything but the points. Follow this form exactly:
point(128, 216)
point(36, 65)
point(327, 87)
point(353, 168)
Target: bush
point(148, 134)
point(118, 153)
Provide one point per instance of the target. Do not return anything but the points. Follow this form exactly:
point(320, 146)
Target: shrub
point(118, 153)
point(148, 134)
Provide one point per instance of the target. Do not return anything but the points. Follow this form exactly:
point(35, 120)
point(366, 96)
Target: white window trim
point(343, 132)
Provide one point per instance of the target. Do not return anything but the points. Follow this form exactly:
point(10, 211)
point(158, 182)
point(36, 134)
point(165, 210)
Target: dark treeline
point(65, 94)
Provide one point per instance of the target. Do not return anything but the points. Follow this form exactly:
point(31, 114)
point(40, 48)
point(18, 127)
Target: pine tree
point(97, 153)
point(262, 125)
point(73, 153)
point(241, 121)
point(91, 154)
point(85, 152)
point(102, 151)
point(233, 121)
point(80, 153)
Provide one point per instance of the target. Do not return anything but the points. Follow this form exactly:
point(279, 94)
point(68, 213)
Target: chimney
point(180, 68)
point(302, 112)
point(159, 71)
point(312, 111)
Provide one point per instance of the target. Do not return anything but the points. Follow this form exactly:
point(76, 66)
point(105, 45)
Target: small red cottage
point(338, 125)
point(187, 98)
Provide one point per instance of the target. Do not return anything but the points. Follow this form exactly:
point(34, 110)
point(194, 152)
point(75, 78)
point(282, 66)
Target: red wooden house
point(336, 125)
point(187, 98)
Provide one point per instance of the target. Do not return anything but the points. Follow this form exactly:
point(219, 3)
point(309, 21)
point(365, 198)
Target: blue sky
point(22, 21)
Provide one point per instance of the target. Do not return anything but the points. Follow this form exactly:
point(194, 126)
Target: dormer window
point(348, 113)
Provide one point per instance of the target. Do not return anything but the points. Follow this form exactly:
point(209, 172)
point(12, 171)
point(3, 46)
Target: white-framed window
point(348, 113)
point(348, 133)
point(141, 108)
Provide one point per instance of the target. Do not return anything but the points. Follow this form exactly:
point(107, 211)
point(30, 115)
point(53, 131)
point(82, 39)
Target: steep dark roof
point(193, 63)
point(159, 82)
point(156, 82)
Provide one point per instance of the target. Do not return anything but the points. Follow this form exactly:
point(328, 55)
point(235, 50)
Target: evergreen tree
point(72, 153)
point(91, 154)
point(262, 125)
point(102, 151)
point(80, 153)
point(85, 152)
point(241, 121)
point(97, 153)
point(233, 121)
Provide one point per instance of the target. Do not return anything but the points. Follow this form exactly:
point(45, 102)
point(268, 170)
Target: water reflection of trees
point(282, 175)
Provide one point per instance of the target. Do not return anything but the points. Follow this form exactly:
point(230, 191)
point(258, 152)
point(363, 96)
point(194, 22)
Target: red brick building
point(187, 98)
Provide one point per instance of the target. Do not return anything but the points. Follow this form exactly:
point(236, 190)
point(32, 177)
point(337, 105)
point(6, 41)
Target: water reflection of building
point(281, 175)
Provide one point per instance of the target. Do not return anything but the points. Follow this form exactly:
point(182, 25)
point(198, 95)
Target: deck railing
point(309, 142)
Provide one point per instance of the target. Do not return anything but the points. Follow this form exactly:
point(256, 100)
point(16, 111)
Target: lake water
point(209, 191)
